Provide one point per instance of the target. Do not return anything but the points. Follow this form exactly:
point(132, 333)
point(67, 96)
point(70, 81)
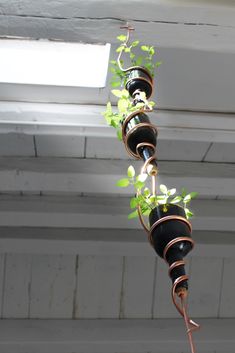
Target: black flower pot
point(138, 78)
point(137, 129)
point(170, 226)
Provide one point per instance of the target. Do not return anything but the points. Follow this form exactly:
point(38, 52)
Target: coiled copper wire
point(181, 292)
point(125, 136)
point(177, 292)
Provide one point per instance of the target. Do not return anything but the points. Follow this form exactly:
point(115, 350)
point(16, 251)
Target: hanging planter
point(170, 235)
point(138, 133)
point(169, 230)
point(139, 78)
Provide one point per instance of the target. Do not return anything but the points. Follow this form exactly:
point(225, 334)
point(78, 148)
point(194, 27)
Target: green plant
point(146, 201)
point(146, 60)
point(125, 107)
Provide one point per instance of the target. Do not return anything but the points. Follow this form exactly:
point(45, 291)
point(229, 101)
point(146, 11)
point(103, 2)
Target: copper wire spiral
point(178, 293)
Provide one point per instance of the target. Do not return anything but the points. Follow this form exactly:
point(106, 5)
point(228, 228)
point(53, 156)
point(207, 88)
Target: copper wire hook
point(129, 30)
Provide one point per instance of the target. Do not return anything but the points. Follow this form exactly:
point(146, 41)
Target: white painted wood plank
point(137, 287)
point(206, 12)
point(111, 336)
point(14, 144)
point(73, 175)
point(166, 149)
point(163, 305)
point(227, 306)
point(2, 279)
point(17, 286)
point(99, 287)
point(203, 35)
point(60, 146)
point(107, 212)
point(221, 152)
point(181, 150)
point(109, 148)
point(206, 276)
point(104, 242)
point(52, 286)
point(84, 120)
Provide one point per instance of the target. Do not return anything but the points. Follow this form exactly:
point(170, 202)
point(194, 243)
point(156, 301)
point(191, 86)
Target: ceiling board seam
point(75, 304)
point(35, 146)
point(221, 288)
point(116, 19)
point(207, 150)
point(121, 306)
point(29, 290)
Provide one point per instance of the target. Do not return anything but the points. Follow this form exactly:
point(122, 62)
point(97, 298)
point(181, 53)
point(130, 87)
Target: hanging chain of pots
point(169, 230)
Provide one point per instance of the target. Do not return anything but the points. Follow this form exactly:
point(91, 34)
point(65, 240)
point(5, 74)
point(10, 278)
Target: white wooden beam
point(178, 25)
point(72, 175)
point(85, 120)
point(110, 336)
point(83, 212)
point(104, 242)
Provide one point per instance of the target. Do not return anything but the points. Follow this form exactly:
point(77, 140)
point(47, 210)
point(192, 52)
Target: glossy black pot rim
point(170, 218)
point(141, 68)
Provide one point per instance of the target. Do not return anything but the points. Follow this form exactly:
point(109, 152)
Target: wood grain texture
point(17, 286)
point(60, 146)
point(52, 286)
point(137, 288)
point(227, 305)
point(98, 287)
point(205, 284)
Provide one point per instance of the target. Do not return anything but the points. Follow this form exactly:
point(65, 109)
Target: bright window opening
point(53, 63)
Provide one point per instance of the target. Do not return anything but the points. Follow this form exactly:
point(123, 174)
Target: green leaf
point(151, 51)
point(122, 105)
point(153, 198)
point(193, 194)
point(188, 213)
point(133, 215)
point(119, 134)
point(176, 199)
point(123, 183)
point(125, 93)
point(163, 189)
point(160, 197)
point(109, 108)
point(119, 49)
point(117, 93)
point(132, 56)
point(171, 192)
point(139, 60)
point(139, 185)
point(133, 202)
point(146, 192)
point(115, 84)
point(183, 192)
point(187, 198)
point(146, 212)
point(131, 171)
point(135, 43)
point(142, 177)
point(144, 48)
point(122, 38)
point(158, 63)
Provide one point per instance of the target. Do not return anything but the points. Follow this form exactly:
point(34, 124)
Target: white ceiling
point(67, 248)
